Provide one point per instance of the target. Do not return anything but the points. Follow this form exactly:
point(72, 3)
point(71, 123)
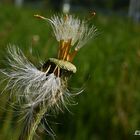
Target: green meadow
point(108, 68)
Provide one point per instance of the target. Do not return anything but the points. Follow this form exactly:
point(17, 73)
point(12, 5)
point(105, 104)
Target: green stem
point(36, 123)
point(29, 132)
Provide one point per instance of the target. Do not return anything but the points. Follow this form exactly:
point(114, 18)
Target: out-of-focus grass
point(109, 66)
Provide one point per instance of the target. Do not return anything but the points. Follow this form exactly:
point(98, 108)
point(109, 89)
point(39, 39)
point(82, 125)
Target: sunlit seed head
point(70, 32)
point(70, 27)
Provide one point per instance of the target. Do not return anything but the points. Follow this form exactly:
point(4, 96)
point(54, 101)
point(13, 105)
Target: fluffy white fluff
point(28, 84)
point(70, 27)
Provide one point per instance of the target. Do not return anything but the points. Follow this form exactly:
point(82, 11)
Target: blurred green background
point(108, 68)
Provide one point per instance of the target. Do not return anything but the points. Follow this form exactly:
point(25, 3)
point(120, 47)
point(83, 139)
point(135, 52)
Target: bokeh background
point(108, 67)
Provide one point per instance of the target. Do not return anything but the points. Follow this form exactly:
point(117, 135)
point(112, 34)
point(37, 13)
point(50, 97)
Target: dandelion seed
point(70, 31)
point(39, 90)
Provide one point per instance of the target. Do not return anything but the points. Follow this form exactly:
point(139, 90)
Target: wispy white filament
point(72, 28)
point(30, 85)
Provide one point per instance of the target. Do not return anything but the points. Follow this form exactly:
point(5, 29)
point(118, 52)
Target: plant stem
point(36, 123)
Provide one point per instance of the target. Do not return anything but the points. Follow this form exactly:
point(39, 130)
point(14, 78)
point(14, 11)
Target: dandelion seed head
point(29, 85)
point(68, 27)
point(70, 31)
